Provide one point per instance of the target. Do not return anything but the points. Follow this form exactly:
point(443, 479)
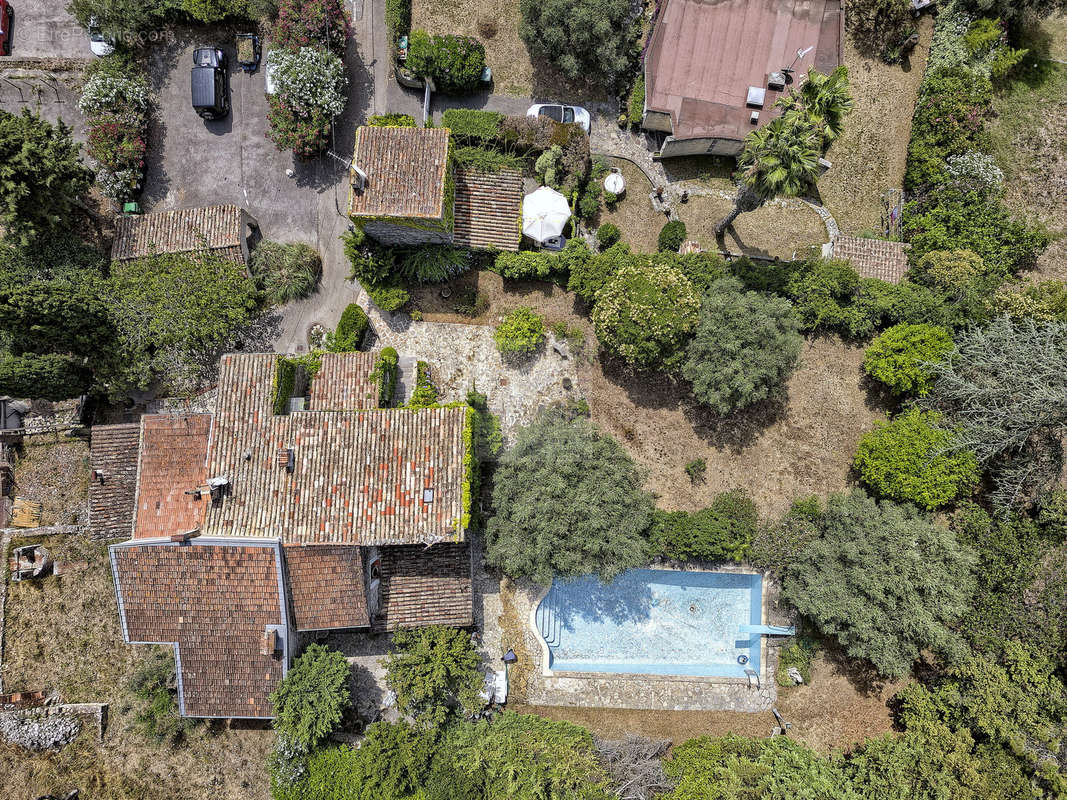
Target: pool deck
point(665, 692)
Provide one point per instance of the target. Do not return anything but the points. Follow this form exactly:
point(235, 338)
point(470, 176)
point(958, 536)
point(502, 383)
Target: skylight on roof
point(427, 495)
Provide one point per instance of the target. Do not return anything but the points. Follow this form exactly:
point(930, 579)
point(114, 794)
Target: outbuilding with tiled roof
point(488, 209)
point(113, 454)
point(221, 230)
point(871, 258)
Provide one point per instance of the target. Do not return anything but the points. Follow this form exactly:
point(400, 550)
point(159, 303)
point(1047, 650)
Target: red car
point(7, 17)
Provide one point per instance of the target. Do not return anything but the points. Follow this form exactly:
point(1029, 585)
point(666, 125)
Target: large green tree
point(567, 501)
point(433, 669)
point(310, 700)
point(884, 581)
point(172, 313)
point(41, 175)
point(54, 316)
point(745, 346)
point(1003, 393)
point(584, 39)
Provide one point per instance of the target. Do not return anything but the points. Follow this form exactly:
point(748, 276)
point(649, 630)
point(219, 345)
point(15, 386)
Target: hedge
point(351, 329)
point(721, 532)
point(385, 373)
point(397, 19)
point(472, 126)
point(525, 265)
point(635, 111)
point(43, 377)
point(391, 121)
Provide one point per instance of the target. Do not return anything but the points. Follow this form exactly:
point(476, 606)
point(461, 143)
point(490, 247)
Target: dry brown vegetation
point(54, 471)
point(63, 634)
point(779, 229)
point(836, 711)
point(869, 157)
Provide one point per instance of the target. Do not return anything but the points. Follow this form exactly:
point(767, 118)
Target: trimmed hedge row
point(351, 329)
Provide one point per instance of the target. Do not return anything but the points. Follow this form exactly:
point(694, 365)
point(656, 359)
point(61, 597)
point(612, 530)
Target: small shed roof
point(113, 456)
point(426, 586)
point(873, 258)
point(488, 209)
point(219, 229)
point(405, 170)
point(327, 586)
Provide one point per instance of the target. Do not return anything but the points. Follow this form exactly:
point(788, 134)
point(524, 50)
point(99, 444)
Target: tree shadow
point(741, 429)
point(626, 600)
point(647, 389)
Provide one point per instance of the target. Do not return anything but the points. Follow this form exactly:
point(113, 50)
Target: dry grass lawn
point(63, 634)
point(495, 23)
point(778, 229)
point(54, 471)
point(836, 711)
point(869, 157)
point(633, 214)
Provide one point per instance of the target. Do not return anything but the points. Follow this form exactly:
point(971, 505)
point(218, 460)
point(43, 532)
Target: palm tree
point(779, 159)
point(823, 98)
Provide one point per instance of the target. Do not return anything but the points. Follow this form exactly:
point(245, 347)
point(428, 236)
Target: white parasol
point(544, 214)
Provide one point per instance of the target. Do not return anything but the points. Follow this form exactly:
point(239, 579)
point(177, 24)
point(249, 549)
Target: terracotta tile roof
point(213, 601)
point(343, 383)
point(327, 587)
point(703, 57)
point(173, 449)
point(216, 228)
point(873, 258)
point(488, 209)
point(425, 586)
point(113, 453)
point(405, 172)
point(358, 477)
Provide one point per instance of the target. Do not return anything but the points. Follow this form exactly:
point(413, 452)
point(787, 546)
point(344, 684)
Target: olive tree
point(582, 38)
point(567, 501)
point(746, 344)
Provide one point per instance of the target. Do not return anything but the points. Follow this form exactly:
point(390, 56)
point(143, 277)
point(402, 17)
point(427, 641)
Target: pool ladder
point(548, 624)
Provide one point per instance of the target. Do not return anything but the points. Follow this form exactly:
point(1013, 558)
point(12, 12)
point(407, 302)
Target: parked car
point(7, 19)
point(210, 85)
point(561, 113)
point(97, 42)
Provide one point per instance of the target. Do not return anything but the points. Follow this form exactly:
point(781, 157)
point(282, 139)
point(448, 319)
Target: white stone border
point(546, 652)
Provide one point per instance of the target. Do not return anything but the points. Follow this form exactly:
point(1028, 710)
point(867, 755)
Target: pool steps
point(770, 630)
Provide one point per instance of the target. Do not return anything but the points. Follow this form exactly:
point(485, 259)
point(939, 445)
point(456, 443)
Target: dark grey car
point(210, 83)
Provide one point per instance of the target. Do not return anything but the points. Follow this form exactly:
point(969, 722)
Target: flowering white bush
point(976, 171)
point(310, 78)
point(106, 93)
point(118, 185)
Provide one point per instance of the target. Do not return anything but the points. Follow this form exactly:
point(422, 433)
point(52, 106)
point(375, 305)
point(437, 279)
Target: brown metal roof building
point(711, 65)
point(362, 510)
point(871, 258)
point(221, 230)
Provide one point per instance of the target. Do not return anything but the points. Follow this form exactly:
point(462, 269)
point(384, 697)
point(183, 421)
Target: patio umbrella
point(544, 213)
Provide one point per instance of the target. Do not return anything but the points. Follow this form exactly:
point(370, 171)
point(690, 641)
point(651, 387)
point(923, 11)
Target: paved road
point(45, 29)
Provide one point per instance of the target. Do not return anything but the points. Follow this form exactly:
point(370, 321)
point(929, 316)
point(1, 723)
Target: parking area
point(45, 29)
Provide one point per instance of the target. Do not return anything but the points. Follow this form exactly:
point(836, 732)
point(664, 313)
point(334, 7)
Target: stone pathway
point(464, 357)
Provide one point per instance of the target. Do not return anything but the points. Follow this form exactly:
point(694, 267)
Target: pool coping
point(762, 677)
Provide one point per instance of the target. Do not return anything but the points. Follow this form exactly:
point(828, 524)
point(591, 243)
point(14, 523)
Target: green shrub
point(425, 393)
point(486, 160)
point(520, 333)
point(568, 502)
point(797, 655)
point(876, 24)
point(47, 376)
point(434, 264)
point(721, 532)
point(351, 328)
point(455, 63)
point(696, 469)
point(391, 121)
point(472, 126)
point(871, 561)
point(589, 275)
point(285, 272)
point(906, 460)
point(155, 684)
point(744, 348)
point(433, 669)
point(607, 235)
point(671, 236)
point(310, 700)
point(899, 357)
point(389, 297)
point(397, 19)
point(582, 38)
point(702, 269)
point(635, 104)
point(385, 371)
point(645, 314)
point(524, 265)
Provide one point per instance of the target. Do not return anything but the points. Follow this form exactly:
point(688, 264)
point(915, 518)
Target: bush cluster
point(721, 532)
point(397, 19)
point(351, 329)
point(311, 91)
point(115, 101)
point(671, 236)
point(374, 267)
point(311, 23)
point(899, 357)
point(454, 63)
point(584, 39)
point(607, 235)
point(521, 333)
point(385, 373)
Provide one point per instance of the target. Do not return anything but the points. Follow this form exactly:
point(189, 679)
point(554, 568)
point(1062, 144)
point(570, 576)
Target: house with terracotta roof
point(249, 528)
point(407, 191)
point(223, 230)
point(714, 68)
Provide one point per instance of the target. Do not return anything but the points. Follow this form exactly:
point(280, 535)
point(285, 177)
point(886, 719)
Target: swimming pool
point(653, 621)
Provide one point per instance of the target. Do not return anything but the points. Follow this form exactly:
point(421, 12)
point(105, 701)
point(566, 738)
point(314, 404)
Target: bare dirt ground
point(63, 634)
point(836, 711)
point(869, 156)
point(54, 471)
point(1028, 135)
point(495, 23)
point(777, 451)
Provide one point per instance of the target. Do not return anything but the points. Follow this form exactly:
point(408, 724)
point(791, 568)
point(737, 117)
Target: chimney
point(98, 475)
point(270, 642)
point(287, 459)
point(185, 537)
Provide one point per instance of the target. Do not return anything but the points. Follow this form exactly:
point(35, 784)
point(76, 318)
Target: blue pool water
point(653, 621)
